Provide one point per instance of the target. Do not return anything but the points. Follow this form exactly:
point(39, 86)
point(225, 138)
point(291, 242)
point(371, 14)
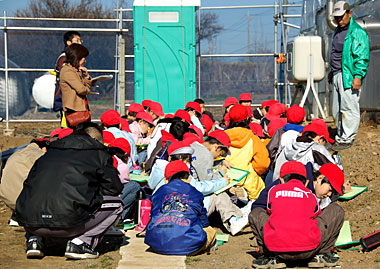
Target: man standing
point(349, 62)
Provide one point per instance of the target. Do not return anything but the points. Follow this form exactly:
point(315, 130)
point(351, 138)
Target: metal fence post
point(122, 77)
point(6, 73)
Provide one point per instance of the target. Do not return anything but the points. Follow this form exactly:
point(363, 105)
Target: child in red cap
point(195, 111)
point(295, 228)
point(247, 151)
point(245, 99)
point(309, 147)
point(179, 223)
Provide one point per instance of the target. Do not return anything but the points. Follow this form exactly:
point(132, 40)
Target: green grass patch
point(91, 266)
point(377, 260)
point(106, 261)
point(190, 259)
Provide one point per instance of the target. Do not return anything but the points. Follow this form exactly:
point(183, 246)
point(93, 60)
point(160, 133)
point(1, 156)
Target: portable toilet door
point(164, 43)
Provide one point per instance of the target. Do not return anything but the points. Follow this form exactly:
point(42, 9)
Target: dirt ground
point(361, 164)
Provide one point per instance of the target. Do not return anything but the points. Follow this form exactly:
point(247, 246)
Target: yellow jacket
point(249, 153)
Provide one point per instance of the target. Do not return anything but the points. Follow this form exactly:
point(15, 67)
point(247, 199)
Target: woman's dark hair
point(118, 152)
point(288, 177)
point(243, 123)
point(182, 157)
point(178, 128)
point(75, 53)
point(180, 175)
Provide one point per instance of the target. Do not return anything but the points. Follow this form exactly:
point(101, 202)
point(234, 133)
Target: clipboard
point(101, 78)
point(138, 178)
point(356, 190)
point(236, 175)
point(344, 239)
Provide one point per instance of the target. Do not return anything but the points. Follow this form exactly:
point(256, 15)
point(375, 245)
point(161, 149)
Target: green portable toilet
point(164, 41)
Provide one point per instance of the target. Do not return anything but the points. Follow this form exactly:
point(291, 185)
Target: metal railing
point(279, 18)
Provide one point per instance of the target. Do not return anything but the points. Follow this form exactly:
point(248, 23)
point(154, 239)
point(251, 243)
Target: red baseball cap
point(180, 147)
point(293, 167)
point(156, 108)
point(174, 167)
point(197, 130)
point(183, 115)
point(256, 129)
point(121, 143)
point(295, 114)
point(110, 117)
point(108, 137)
point(65, 132)
point(238, 113)
point(222, 137)
point(194, 105)
point(249, 110)
point(125, 125)
point(275, 111)
point(145, 116)
point(230, 101)
point(166, 136)
point(275, 124)
point(320, 129)
point(334, 174)
point(245, 97)
point(190, 138)
point(136, 108)
point(169, 116)
point(55, 132)
point(268, 103)
point(146, 102)
point(207, 123)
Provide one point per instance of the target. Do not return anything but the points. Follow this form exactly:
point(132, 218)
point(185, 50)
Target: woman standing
point(75, 84)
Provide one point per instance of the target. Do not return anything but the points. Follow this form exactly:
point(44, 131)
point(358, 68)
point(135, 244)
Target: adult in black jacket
point(71, 191)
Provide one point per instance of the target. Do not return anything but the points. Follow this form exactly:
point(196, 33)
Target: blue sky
point(234, 39)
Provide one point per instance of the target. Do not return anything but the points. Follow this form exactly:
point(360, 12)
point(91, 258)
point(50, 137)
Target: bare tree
point(65, 9)
point(209, 28)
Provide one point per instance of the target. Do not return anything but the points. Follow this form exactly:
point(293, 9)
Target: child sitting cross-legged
point(179, 223)
point(293, 226)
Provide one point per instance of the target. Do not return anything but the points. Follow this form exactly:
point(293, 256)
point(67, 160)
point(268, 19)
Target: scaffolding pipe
point(62, 19)
point(239, 55)
point(6, 74)
point(61, 29)
point(199, 54)
point(275, 73)
point(255, 6)
point(48, 70)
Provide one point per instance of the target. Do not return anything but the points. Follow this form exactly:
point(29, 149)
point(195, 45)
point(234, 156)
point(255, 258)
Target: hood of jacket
point(239, 136)
point(298, 149)
point(78, 142)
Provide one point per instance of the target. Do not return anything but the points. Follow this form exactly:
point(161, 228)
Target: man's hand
point(356, 84)
point(330, 77)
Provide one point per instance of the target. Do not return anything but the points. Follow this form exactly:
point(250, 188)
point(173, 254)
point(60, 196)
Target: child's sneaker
point(324, 259)
point(238, 223)
point(268, 262)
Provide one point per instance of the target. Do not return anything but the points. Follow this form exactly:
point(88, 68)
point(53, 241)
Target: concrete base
point(9, 132)
point(135, 254)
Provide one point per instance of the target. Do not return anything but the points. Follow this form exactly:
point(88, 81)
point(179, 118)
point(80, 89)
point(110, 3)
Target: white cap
point(340, 8)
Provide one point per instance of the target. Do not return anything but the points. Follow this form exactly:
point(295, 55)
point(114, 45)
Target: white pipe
point(256, 6)
point(61, 19)
point(238, 55)
point(6, 74)
point(330, 19)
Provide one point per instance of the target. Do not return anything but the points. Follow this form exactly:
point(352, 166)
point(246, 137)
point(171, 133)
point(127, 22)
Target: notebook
point(356, 190)
point(236, 175)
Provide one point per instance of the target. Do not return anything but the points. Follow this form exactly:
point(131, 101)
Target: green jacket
point(355, 55)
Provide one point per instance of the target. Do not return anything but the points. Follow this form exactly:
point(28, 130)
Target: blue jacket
point(177, 219)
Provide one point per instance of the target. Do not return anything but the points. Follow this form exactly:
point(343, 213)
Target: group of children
point(287, 196)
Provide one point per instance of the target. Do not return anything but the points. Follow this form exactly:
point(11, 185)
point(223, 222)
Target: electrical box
point(299, 51)
point(164, 44)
